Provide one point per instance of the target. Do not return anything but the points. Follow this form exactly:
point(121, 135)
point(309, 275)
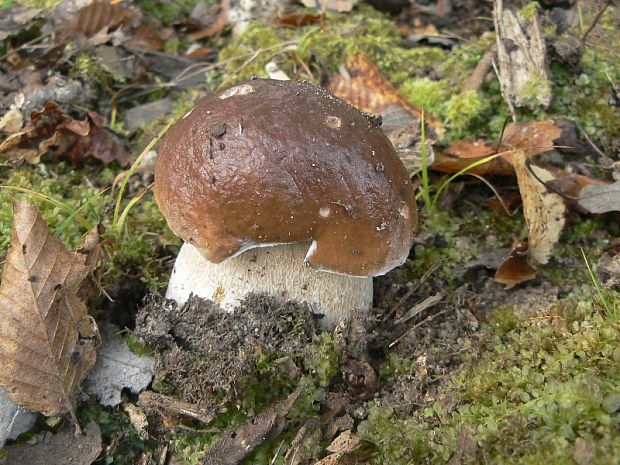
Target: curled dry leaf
point(534, 138)
point(516, 268)
point(464, 153)
point(544, 210)
point(47, 340)
point(68, 138)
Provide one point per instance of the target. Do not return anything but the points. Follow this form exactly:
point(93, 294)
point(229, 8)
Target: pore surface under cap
point(269, 162)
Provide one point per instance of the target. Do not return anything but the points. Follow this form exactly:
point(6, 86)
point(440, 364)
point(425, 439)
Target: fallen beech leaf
point(47, 340)
point(368, 90)
point(63, 447)
point(600, 198)
point(544, 210)
point(236, 445)
point(98, 16)
point(535, 137)
point(515, 269)
point(76, 140)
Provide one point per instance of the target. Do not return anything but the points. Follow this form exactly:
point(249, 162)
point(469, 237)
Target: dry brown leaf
point(368, 90)
point(75, 140)
point(464, 153)
point(300, 19)
point(515, 269)
point(533, 137)
point(544, 210)
point(47, 340)
point(98, 16)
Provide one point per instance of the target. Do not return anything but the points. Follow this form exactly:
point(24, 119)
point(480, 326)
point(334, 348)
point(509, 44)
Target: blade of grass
point(64, 224)
point(425, 183)
point(130, 172)
point(123, 217)
point(447, 182)
point(58, 203)
point(612, 313)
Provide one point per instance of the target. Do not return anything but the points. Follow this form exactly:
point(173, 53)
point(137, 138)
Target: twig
point(476, 78)
point(596, 20)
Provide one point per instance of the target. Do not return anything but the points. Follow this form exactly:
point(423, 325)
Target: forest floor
point(497, 342)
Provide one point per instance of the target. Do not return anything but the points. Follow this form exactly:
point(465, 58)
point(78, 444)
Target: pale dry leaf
point(117, 368)
point(600, 198)
point(343, 450)
point(47, 340)
point(544, 211)
point(340, 6)
point(345, 442)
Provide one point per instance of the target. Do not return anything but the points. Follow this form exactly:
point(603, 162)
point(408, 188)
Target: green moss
point(363, 30)
point(536, 91)
point(39, 3)
point(528, 12)
point(115, 427)
point(544, 381)
point(453, 231)
point(60, 183)
point(426, 94)
point(463, 110)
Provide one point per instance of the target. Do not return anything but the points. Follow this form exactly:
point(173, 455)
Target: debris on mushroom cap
point(269, 162)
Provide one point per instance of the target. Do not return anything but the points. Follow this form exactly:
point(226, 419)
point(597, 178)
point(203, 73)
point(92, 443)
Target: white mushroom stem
point(278, 271)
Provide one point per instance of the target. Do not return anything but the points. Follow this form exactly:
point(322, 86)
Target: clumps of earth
point(205, 352)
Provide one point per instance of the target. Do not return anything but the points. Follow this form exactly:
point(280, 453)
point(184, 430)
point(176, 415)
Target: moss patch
point(551, 381)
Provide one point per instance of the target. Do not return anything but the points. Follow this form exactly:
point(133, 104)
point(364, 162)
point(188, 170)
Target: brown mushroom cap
point(269, 162)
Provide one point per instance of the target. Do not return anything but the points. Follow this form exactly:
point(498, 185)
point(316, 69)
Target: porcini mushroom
point(279, 187)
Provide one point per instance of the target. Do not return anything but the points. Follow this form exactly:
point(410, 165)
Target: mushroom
point(279, 187)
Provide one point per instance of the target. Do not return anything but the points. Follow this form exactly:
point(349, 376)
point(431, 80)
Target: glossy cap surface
point(269, 162)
